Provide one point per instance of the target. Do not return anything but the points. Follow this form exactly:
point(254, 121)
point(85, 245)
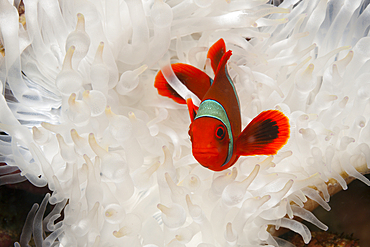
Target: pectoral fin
point(192, 109)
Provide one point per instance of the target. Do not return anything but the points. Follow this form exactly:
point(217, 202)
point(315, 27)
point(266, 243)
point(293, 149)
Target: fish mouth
point(208, 157)
point(205, 152)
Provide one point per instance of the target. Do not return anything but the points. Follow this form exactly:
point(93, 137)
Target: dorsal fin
point(223, 62)
point(194, 79)
point(216, 52)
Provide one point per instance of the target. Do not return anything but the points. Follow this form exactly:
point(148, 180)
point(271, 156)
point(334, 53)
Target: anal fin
point(193, 78)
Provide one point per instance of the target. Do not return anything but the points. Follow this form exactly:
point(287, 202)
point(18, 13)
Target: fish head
point(210, 142)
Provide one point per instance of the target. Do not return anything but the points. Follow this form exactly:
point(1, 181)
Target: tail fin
point(264, 135)
point(194, 79)
point(216, 52)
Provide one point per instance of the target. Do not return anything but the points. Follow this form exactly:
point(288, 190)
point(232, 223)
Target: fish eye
point(220, 132)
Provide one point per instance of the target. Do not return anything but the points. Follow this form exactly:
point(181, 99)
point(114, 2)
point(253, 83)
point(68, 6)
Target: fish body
point(215, 129)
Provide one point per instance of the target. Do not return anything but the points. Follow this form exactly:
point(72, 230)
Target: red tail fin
point(216, 52)
point(264, 135)
point(194, 79)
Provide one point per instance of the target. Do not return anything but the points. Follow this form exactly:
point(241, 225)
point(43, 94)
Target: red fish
point(215, 129)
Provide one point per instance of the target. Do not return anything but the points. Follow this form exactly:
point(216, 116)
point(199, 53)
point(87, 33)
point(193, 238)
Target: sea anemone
point(81, 115)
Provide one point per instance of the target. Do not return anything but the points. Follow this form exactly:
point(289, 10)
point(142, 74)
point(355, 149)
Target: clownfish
point(215, 129)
